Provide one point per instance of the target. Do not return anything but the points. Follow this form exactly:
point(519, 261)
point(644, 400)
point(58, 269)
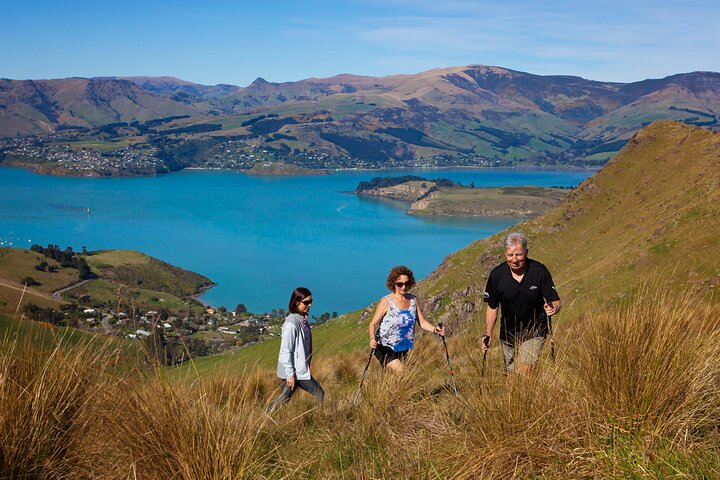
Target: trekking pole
point(552, 340)
point(362, 380)
point(550, 332)
point(447, 355)
point(486, 338)
point(485, 342)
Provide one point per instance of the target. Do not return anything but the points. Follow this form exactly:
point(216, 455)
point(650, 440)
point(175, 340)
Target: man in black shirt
point(524, 289)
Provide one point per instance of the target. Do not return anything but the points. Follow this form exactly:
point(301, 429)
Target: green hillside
point(136, 269)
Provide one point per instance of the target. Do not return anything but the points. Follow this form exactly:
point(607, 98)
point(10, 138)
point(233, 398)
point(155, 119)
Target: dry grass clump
point(160, 428)
point(650, 370)
point(44, 398)
point(653, 364)
point(511, 427)
point(637, 394)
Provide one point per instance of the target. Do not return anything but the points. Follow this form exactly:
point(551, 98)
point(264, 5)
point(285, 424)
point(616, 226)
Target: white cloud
point(621, 41)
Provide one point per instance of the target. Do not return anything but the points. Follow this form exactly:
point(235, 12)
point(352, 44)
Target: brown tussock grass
point(633, 393)
point(44, 397)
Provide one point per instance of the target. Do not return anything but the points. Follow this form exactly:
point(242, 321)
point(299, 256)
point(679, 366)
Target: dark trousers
point(311, 386)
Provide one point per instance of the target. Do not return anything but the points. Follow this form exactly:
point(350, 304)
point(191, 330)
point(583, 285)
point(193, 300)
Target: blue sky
point(235, 42)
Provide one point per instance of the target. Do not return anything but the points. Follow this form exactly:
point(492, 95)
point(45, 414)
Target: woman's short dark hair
point(396, 273)
point(298, 295)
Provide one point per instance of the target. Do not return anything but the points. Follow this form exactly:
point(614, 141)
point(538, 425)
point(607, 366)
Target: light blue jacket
point(293, 358)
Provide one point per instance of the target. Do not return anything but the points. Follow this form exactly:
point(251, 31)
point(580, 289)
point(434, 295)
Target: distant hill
point(30, 107)
point(443, 197)
point(480, 110)
point(476, 112)
point(172, 85)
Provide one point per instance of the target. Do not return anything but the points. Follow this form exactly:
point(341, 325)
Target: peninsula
point(443, 197)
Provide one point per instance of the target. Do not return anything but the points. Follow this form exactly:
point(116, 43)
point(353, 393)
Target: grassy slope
point(504, 201)
point(105, 292)
point(136, 269)
point(636, 218)
point(126, 275)
point(46, 336)
point(15, 265)
point(339, 336)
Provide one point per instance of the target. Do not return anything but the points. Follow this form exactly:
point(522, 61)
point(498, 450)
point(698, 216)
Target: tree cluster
point(66, 316)
point(382, 182)
point(66, 258)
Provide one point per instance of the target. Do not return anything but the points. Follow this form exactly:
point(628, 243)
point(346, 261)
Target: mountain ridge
point(482, 112)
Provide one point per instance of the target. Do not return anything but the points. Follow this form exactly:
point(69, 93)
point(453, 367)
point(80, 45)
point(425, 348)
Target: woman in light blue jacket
point(296, 351)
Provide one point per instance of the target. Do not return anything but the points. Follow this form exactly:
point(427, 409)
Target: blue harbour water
point(256, 237)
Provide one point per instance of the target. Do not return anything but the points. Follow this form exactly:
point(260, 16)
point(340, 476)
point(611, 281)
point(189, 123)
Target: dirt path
point(29, 291)
point(58, 293)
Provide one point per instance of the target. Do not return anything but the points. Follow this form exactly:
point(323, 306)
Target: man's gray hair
point(513, 238)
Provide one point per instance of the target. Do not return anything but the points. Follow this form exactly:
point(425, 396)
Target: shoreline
point(201, 291)
point(329, 171)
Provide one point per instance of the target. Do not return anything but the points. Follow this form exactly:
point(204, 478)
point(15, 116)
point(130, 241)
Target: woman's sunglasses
point(403, 284)
point(306, 302)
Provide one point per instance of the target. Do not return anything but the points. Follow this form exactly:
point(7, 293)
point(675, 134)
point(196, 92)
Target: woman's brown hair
point(396, 273)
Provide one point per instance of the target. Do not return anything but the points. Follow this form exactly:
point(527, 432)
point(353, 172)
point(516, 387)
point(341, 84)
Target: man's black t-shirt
point(523, 315)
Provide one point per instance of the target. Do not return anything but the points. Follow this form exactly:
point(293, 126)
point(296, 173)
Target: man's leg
point(528, 354)
point(509, 356)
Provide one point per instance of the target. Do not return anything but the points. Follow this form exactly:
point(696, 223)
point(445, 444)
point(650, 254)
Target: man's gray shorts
point(522, 353)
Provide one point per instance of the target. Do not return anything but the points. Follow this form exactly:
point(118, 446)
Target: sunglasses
point(306, 302)
point(403, 284)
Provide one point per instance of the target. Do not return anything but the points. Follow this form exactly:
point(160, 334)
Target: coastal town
point(210, 331)
point(73, 154)
point(182, 336)
point(54, 154)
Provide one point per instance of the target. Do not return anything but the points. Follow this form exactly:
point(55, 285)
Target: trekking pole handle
point(439, 327)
